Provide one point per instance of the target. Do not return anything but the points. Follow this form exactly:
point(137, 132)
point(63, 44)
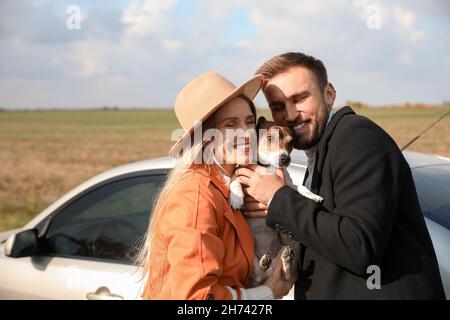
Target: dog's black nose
point(285, 160)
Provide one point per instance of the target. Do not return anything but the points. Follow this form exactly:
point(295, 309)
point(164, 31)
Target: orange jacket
point(200, 245)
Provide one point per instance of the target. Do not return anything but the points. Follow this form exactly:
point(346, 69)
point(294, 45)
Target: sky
point(141, 53)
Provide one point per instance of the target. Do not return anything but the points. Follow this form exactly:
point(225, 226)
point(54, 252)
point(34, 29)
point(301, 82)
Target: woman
point(196, 246)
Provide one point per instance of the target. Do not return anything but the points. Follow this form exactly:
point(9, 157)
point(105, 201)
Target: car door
point(89, 247)
point(433, 189)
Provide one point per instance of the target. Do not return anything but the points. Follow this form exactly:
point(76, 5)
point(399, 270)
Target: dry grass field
point(44, 154)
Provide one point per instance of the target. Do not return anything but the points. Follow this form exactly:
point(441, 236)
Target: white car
point(82, 246)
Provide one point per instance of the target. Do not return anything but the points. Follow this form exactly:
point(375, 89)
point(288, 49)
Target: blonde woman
point(196, 246)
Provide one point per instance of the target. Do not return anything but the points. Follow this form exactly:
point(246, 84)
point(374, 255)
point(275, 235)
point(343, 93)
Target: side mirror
point(22, 244)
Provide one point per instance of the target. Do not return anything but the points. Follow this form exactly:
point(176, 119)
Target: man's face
point(296, 101)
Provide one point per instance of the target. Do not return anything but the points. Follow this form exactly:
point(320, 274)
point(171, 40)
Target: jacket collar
point(214, 176)
point(322, 145)
point(326, 136)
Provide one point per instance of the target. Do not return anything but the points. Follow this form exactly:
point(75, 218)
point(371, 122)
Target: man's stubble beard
point(319, 127)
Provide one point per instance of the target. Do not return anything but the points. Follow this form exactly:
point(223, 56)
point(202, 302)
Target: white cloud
point(404, 17)
point(217, 9)
point(147, 17)
point(86, 61)
point(406, 20)
point(172, 46)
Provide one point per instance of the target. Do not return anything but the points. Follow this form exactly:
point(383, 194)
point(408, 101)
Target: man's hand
point(261, 186)
point(278, 283)
point(252, 208)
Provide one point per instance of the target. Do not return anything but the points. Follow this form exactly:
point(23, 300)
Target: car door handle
point(103, 293)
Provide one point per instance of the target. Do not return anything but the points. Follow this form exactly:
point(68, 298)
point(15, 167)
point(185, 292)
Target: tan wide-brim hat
point(204, 95)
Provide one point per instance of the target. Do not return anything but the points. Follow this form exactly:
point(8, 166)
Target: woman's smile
point(243, 148)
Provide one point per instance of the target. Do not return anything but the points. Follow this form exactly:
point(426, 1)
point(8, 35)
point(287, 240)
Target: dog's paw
point(265, 261)
point(316, 198)
point(236, 195)
point(236, 201)
point(287, 259)
point(287, 254)
point(308, 194)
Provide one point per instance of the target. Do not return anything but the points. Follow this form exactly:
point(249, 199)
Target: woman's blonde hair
point(176, 174)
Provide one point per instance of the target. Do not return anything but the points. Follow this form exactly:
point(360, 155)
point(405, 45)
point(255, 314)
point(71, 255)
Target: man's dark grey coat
point(370, 216)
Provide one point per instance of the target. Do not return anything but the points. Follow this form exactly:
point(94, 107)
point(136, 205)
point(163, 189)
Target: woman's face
point(236, 123)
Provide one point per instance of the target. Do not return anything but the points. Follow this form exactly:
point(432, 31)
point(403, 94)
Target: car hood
point(419, 159)
point(415, 159)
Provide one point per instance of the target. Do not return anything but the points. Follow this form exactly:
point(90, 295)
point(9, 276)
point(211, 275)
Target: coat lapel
point(243, 231)
point(323, 146)
point(305, 176)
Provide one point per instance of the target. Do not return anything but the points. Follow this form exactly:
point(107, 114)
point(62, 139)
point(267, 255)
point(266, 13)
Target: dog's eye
point(269, 138)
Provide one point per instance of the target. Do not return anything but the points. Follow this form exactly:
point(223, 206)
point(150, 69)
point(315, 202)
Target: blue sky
point(141, 53)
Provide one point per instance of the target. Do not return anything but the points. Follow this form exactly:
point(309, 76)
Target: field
point(44, 154)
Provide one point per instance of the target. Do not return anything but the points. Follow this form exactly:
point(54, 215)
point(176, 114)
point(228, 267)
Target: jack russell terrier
point(274, 148)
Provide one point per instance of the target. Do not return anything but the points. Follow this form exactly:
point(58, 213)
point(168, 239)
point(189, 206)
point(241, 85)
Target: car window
point(107, 223)
point(433, 189)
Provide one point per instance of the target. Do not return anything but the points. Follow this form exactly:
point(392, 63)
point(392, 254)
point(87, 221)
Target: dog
point(275, 144)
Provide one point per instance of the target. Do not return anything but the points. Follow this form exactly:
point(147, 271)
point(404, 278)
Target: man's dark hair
point(281, 63)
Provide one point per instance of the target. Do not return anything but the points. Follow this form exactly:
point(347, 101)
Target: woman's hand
point(278, 283)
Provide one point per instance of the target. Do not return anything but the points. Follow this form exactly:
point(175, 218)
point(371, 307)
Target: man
point(370, 220)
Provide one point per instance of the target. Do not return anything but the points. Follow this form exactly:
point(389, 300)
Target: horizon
point(406, 105)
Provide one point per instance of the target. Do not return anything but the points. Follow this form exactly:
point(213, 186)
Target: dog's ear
point(260, 122)
point(290, 131)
